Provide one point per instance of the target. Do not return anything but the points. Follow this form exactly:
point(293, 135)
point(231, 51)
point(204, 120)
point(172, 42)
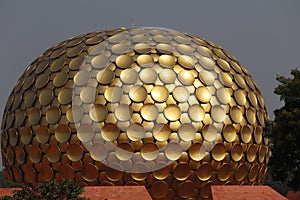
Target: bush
point(4, 183)
point(66, 190)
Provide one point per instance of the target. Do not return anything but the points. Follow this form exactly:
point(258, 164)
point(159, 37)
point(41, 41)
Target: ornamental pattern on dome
point(143, 106)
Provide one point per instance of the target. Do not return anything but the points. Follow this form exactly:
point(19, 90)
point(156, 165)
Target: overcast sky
point(264, 37)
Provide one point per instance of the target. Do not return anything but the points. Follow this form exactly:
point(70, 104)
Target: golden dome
point(142, 106)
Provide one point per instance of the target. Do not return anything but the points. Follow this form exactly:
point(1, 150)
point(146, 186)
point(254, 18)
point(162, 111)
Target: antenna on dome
point(132, 23)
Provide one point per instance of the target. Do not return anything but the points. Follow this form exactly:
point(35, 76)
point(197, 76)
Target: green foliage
point(3, 182)
point(284, 132)
point(5, 198)
point(66, 190)
point(280, 187)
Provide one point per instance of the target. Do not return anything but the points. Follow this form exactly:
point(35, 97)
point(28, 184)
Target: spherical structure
point(142, 106)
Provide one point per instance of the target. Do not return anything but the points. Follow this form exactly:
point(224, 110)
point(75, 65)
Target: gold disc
point(60, 79)
point(218, 152)
point(161, 132)
point(262, 153)
point(66, 172)
point(258, 134)
point(53, 115)
point(124, 61)
point(186, 189)
point(105, 76)
point(82, 77)
point(241, 172)
point(236, 114)
point(173, 151)
point(223, 95)
point(42, 134)
point(20, 154)
point(253, 173)
point(218, 114)
point(87, 94)
point(149, 151)
point(53, 153)
point(197, 152)
point(196, 112)
point(162, 171)
point(113, 94)
point(167, 61)
point(203, 94)
point(159, 93)
point(138, 93)
point(159, 189)
point(237, 152)
point(136, 132)
point(26, 135)
point(182, 171)
point(74, 114)
point(205, 172)
point(167, 76)
point(34, 116)
point(145, 61)
point(180, 94)
point(186, 61)
point(110, 132)
point(62, 133)
point(90, 172)
point(224, 172)
point(30, 174)
point(129, 76)
point(172, 112)
point(114, 172)
point(46, 97)
point(246, 134)
point(207, 63)
point(149, 112)
point(187, 132)
point(251, 153)
point(229, 133)
point(85, 132)
point(46, 173)
point(124, 151)
point(209, 132)
point(251, 115)
point(98, 113)
point(240, 97)
point(99, 151)
point(140, 171)
point(74, 152)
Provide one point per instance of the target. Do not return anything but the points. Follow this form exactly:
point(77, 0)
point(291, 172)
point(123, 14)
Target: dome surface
point(141, 106)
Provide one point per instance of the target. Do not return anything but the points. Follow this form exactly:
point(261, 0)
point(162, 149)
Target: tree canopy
point(284, 132)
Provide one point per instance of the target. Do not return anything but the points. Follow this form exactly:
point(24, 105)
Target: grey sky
point(262, 35)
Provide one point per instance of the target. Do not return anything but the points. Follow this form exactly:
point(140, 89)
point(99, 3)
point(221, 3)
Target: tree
point(284, 132)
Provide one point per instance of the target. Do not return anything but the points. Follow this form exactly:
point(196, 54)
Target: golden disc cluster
point(143, 106)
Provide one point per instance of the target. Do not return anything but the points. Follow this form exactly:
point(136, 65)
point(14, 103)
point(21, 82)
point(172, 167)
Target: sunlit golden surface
point(144, 106)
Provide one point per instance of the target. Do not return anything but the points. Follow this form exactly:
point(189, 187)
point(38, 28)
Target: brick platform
point(244, 193)
point(140, 193)
point(7, 191)
point(117, 192)
point(105, 192)
point(293, 195)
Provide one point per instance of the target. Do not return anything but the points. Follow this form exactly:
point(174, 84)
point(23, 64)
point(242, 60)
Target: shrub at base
point(66, 190)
